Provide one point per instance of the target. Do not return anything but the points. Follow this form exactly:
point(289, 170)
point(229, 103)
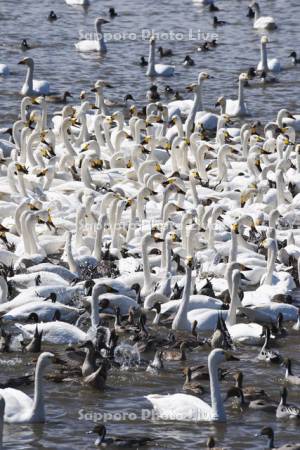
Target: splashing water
point(127, 356)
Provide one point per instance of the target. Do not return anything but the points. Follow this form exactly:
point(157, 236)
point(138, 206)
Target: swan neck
point(4, 291)
point(29, 77)
point(241, 93)
point(272, 253)
point(231, 320)
point(264, 57)
point(151, 61)
point(180, 321)
point(146, 265)
point(69, 254)
point(38, 408)
point(216, 397)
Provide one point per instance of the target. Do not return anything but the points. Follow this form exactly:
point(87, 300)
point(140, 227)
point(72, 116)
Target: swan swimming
point(31, 87)
point(97, 45)
point(185, 407)
point(19, 407)
point(157, 70)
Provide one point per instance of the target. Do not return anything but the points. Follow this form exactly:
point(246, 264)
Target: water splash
point(127, 356)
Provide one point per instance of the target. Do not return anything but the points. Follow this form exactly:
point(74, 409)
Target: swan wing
point(41, 86)
point(16, 403)
point(4, 70)
point(249, 333)
point(121, 301)
point(87, 46)
point(164, 70)
point(206, 318)
point(265, 22)
point(274, 65)
point(180, 107)
point(208, 120)
point(54, 332)
point(180, 407)
point(231, 107)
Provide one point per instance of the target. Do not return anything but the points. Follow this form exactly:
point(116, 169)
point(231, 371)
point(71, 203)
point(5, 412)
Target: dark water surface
point(57, 61)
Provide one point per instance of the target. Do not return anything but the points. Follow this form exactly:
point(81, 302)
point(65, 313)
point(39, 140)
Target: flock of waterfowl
point(132, 238)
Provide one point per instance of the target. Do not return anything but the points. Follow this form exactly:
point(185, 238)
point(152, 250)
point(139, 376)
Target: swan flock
point(161, 239)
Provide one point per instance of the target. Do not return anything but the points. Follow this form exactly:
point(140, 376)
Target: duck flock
point(161, 241)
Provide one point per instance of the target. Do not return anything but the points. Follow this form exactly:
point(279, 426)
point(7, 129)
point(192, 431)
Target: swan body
point(4, 70)
point(238, 107)
point(60, 333)
point(185, 407)
point(63, 294)
point(45, 311)
point(262, 22)
point(94, 45)
point(22, 281)
point(78, 2)
point(19, 407)
point(31, 87)
point(266, 64)
point(161, 70)
point(121, 301)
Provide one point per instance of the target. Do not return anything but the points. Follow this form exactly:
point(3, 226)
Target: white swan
point(266, 64)
point(97, 45)
point(242, 333)
point(19, 407)
point(262, 22)
point(185, 407)
point(78, 2)
point(4, 70)
point(31, 87)
point(238, 107)
point(154, 70)
point(57, 332)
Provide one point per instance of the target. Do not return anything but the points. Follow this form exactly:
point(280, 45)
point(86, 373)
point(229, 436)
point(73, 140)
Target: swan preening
point(156, 238)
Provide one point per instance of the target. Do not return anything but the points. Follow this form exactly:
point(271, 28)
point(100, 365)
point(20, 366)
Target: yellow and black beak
point(21, 168)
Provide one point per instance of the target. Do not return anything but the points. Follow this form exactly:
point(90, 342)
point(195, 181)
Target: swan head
point(27, 62)
point(254, 6)
point(235, 228)
point(152, 40)
point(217, 356)
point(100, 84)
point(285, 113)
point(264, 40)
point(175, 120)
point(203, 76)
point(100, 21)
point(221, 102)
point(243, 77)
point(46, 358)
point(195, 174)
point(189, 261)
point(38, 100)
point(21, 168)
